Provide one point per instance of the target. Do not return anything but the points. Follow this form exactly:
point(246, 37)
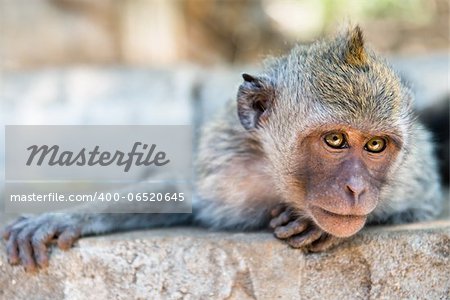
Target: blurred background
point(176, 62)
point(44, 33)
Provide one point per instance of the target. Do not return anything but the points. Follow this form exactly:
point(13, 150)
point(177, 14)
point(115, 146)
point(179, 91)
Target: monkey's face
point(329, 157)
point(339, 180)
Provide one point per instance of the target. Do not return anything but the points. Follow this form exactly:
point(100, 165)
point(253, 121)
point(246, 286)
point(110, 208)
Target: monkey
point(322, 142)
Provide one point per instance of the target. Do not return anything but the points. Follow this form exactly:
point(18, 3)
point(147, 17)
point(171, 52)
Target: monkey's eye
point(335, 140)
point(375, 145)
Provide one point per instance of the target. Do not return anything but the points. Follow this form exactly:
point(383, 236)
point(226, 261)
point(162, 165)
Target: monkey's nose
point(355, 188)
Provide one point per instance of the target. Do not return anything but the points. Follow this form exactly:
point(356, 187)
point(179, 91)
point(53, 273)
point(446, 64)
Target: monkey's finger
point(292, 228)
point(282, 219)
point(68, 238)
point(40, 241)
point(26, 250)
point(324, 244)
point(7, 231)
point(277, 210)
point(12, 251)
point(306, 238)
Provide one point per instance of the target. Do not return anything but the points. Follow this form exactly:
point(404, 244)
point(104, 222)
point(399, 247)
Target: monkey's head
point(333, 120)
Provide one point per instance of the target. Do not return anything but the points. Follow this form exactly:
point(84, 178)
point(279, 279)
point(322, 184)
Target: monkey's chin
point(336, 224)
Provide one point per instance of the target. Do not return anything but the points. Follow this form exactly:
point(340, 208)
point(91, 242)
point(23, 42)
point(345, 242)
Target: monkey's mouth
point(332, 214)
point(338, 224)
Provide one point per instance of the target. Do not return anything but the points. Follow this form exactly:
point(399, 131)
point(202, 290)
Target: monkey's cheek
point(338, 225)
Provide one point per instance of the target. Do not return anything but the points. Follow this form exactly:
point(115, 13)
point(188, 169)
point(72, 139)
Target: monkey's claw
point(28, 239)
point(300, 232)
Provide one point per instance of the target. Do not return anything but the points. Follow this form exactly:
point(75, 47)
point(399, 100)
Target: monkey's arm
point(238, 196)
point(28, 237)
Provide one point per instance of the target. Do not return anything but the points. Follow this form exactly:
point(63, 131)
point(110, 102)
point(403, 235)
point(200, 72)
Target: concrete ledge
point(411, 261)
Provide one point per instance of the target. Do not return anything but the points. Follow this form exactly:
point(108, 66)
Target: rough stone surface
point(403, 262)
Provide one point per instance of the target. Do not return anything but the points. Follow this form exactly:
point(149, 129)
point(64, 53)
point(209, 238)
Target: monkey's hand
point(28, 238)
point(300, 232)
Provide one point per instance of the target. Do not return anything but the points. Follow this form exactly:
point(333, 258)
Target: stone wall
point(404, 262)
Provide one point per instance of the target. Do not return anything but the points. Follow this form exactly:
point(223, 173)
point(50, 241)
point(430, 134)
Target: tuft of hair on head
point(355, 53)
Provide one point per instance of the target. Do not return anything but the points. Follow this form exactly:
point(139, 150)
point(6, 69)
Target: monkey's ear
point(355, 54)
point(254, 99)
